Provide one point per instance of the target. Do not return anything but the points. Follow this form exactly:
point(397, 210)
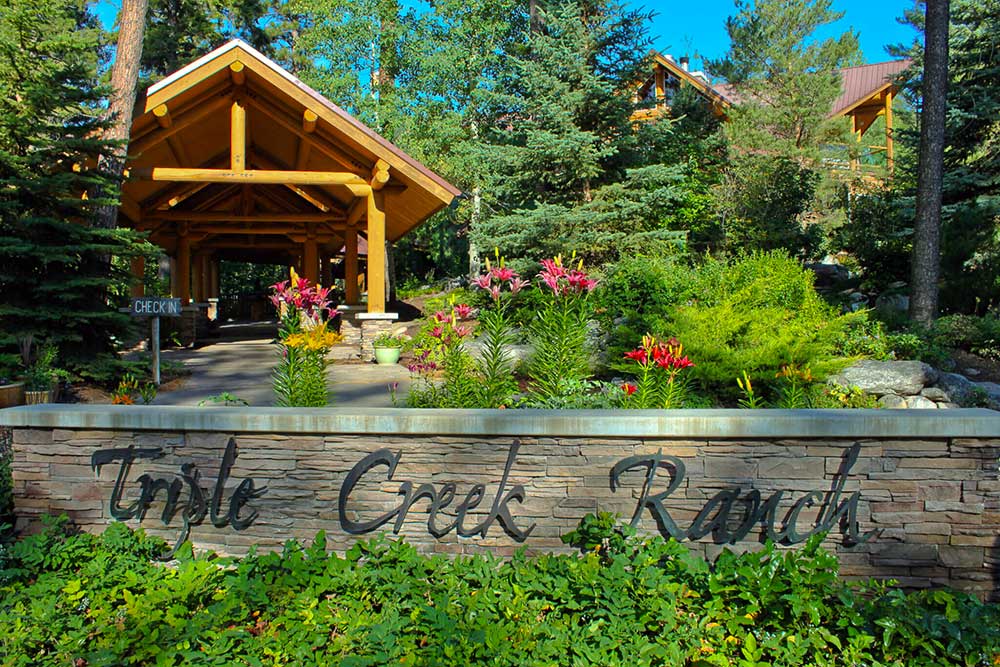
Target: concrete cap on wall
point(956, 423)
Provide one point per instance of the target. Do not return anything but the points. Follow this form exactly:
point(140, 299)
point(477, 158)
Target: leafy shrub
point(98, 600)
point(865, 337)
point(757, 314)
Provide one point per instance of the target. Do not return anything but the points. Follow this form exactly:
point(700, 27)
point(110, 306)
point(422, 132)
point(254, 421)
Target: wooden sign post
point(155, 307)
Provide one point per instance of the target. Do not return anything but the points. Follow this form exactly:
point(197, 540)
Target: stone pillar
point(372, 324)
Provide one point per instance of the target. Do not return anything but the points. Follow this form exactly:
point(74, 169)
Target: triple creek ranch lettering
point(729, 515)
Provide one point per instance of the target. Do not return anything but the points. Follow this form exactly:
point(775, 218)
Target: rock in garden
point(992, 391)
point(904, 378)
point(892, 402)
point(957, 387)
point(935, 394)
point(920, 403)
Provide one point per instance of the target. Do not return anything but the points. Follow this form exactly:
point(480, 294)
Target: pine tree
point(562, 133)
point(54, 280)
point(785, 82)
point(180, 31)
point(970, 217)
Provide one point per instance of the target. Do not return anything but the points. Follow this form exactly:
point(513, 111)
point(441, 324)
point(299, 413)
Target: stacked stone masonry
point(935, 501)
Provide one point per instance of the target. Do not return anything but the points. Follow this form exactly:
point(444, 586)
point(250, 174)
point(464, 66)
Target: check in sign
point(151, 306)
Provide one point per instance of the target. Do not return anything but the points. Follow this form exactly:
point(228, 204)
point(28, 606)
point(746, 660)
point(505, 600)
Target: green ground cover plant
point(80, 599)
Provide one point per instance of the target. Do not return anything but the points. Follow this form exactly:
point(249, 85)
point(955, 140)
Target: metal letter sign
point(155, 307)
point(151, 306)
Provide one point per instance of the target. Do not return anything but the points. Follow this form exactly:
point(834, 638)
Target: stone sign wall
point(921, 509)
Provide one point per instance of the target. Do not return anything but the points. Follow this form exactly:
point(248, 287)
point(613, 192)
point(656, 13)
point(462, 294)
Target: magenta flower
point(517, 284)
point(462, 311)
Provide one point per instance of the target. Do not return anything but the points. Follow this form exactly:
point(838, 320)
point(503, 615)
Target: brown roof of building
point(857, 84)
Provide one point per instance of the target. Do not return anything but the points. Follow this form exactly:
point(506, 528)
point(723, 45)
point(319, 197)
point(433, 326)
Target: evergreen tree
point(784, 79)
point(180, 31)
point(785, 82)
point(562, 144)
point(970, 222)
point(54, 278)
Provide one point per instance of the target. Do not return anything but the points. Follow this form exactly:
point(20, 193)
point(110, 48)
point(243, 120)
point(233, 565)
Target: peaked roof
point(699, 80)
point(191, 108)
point(857, 84)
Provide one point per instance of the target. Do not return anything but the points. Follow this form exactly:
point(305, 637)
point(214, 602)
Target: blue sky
point(697, 27)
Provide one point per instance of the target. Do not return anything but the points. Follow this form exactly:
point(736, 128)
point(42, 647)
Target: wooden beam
point(142, 144)
point(131, 208)
point(238, 137)
point(138, 267)
point(221, 216)
point(237, 74)
point(183, 267)
point(259, 230)
point(210, 200)
point(358, 209)
point(162, 115)
point(351, 293)
point(309, 119)
point(274, 177)
point(198, 278)
point(376, 252)
point(281, 118)
point(310, 257)
point(890, 154)
point(380, 174)
point(315, 195)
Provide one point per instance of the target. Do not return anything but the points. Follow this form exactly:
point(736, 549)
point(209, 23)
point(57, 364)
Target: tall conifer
point(54, 280)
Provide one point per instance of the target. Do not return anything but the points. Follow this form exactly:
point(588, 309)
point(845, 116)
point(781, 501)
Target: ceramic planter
point(387, 356)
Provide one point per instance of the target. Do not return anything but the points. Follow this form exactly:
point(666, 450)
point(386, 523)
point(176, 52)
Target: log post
point(376, 252)
point(138, 287)
point(351, 295)
point(183, 267)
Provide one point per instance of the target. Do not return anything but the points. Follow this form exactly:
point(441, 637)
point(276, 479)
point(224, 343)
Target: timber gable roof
point(184, 122)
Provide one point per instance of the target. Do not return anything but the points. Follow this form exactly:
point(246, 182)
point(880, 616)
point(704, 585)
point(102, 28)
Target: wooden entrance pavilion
point(234, 158)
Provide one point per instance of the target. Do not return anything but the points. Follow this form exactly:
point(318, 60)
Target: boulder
point(892, 402)
point(935, 394)
point(920, 403)
point(904, 378)
point(517, 353)
point(957, 387)
point(992, 391)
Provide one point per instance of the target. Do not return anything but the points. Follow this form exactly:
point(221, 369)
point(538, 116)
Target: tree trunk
point(927, 232)
point(124, 78)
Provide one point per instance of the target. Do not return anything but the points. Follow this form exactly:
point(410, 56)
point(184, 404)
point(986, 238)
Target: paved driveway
point(241, 362)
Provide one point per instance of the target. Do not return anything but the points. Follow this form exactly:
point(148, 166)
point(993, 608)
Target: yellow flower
point(317, 339)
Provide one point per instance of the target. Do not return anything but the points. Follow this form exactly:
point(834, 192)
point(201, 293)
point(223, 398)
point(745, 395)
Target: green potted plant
point(39, 381)
point(388, 346)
